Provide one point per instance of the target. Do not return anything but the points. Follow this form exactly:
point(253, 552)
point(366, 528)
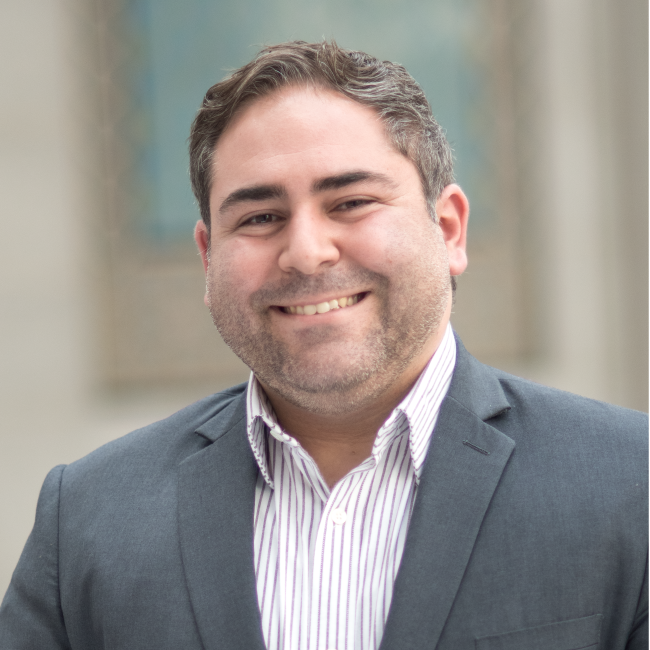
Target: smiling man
point(372, 484)
point(336, 277)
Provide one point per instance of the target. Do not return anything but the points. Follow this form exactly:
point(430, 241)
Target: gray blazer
point(529, 532)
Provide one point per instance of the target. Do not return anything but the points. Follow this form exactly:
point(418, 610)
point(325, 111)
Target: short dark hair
point(384, 86)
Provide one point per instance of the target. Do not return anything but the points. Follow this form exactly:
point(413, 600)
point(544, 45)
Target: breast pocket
point(576, 634)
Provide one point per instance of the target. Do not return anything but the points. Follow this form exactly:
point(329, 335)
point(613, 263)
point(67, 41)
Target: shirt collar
point(422, 404)
point(419, 409)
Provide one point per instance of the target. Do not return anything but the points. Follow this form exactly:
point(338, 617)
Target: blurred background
point(103, 324)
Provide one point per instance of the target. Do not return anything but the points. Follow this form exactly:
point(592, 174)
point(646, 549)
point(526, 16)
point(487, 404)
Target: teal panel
point(184, 47)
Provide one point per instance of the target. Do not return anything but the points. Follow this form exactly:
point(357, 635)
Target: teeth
point(323, 307)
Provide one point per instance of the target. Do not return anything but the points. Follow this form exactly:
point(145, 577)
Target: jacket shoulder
point(166, 442)
point(519, 405)
point(574, 438)
point(537, 401)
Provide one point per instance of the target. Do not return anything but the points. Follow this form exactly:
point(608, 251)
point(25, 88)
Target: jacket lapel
point(462, 470)
point(216, 495)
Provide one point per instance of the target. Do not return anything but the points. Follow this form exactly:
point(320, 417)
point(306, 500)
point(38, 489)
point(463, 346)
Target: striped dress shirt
point(326, 560)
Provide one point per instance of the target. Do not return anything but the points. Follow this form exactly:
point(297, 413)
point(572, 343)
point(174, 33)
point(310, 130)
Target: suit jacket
point(529, 531)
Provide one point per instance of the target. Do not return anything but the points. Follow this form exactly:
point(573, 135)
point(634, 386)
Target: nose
point(309, 244)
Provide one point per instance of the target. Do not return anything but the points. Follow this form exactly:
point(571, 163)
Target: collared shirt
point(326, 560)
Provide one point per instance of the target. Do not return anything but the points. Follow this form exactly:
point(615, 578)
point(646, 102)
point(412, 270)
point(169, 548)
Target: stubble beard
point(373, 365)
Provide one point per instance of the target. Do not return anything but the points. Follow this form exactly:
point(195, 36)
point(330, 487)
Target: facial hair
point(407, 316)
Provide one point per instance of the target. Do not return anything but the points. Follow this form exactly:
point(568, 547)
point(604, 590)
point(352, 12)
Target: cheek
point(374, 247)
point(398, 246)
point(238, 269)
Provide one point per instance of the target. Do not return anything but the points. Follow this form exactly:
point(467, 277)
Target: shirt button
point(339, 516)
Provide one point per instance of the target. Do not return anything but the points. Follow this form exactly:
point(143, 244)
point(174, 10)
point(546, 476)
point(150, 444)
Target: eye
point(352, 204)
point(261, 220)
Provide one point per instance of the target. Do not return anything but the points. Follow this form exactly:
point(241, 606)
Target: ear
point(452, 209)
point(202, 239)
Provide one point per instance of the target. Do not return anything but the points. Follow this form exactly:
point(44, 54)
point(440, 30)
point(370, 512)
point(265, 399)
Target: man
point(373, 484)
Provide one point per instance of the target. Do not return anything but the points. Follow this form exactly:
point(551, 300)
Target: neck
point(339, 442)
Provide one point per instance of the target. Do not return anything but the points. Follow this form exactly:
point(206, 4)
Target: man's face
point(311, 204)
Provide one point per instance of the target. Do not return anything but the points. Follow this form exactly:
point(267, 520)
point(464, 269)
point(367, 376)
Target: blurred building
point(103, 324)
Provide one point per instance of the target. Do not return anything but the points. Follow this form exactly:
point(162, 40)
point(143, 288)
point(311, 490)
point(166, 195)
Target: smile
point(324, 307)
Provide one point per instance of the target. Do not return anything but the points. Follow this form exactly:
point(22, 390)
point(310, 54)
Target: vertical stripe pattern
point(326, 561)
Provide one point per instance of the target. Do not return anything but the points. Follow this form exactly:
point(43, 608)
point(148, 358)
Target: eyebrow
point(266, 192)
point(349, 178)
point(253, 193)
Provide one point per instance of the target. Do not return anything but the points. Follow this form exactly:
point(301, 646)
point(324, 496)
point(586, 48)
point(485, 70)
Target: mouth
point(324, 307)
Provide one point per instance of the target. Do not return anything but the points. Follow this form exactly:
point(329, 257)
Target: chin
point(331, 388)
point(335, 375)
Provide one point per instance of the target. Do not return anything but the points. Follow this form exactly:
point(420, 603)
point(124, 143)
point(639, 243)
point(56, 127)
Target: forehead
point(319, 130)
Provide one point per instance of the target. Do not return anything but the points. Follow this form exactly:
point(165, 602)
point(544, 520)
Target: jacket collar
point(475, 386)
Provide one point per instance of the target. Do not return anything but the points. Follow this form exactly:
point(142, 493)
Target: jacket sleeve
point(31, 615)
